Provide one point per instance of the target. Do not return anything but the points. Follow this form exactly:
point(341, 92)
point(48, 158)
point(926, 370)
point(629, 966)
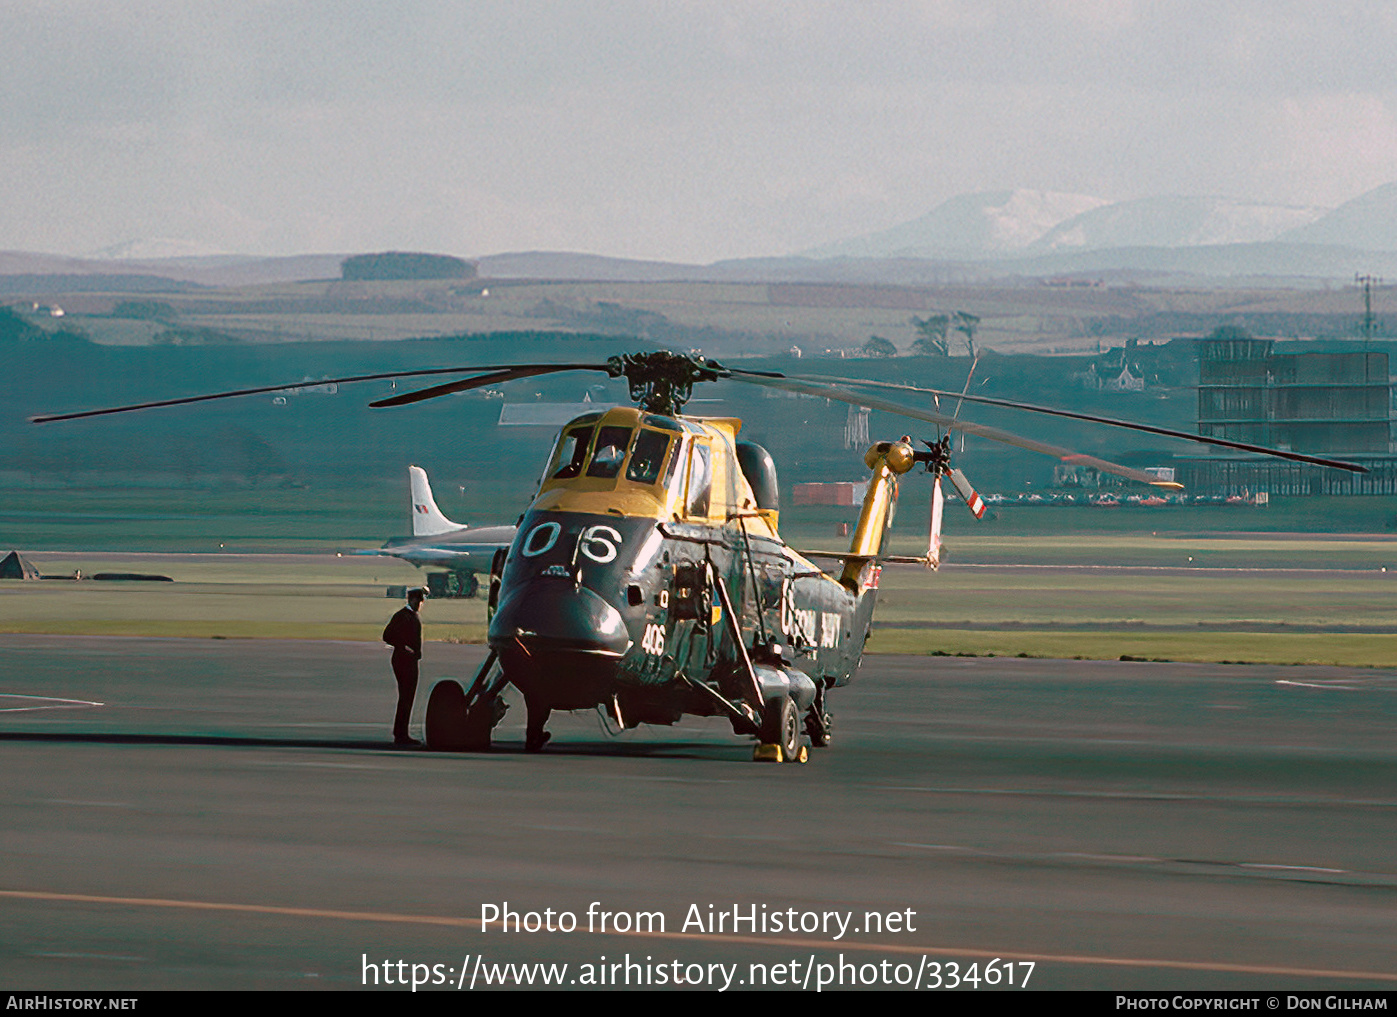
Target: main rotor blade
point(825, 391)
point(266, 389)
point(466, 384)
point(1337, 464)
point(1063, 454)
point(968, 375)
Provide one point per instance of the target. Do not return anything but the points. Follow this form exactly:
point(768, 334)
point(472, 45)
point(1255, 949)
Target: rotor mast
point(661, 382)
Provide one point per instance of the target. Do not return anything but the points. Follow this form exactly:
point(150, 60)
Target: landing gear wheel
point(447, 717)
point(480, 722)
point(817, 726)
point(781, 727)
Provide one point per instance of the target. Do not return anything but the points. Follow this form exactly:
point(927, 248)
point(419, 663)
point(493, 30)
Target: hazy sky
point(666, 129)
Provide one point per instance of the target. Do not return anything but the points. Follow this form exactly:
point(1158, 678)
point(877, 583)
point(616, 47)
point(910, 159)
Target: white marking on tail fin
point(933, 547)
point(967, 492)
point(427, 520)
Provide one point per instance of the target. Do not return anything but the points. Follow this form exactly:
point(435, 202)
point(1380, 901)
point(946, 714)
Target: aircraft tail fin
point(427, 520)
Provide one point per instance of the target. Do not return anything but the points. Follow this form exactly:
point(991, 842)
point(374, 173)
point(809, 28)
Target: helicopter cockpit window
point(700, 479)
point(610, 453)
point(572, 452)
point(648, 456)
point(674, 461)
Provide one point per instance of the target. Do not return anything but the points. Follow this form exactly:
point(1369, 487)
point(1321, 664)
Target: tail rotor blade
point(973, 500)
point(933, 547)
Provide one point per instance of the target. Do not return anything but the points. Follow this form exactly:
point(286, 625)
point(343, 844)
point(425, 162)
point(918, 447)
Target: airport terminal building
point(1329, 404)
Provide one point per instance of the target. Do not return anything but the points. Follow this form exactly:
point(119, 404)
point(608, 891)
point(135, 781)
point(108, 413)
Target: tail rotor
point(937, 459)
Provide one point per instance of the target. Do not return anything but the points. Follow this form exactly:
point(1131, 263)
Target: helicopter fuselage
point(648, 575)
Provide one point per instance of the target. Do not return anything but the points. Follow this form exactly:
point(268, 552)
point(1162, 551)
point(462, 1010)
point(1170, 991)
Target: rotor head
point(662, 381)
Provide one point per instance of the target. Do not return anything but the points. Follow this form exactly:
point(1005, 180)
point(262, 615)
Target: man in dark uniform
point(404, 634)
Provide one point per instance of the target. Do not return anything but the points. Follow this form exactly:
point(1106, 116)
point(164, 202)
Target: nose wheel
point(462, 722)
point(781, 739)
point(447, 717)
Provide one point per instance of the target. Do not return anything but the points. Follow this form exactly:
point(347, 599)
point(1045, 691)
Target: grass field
point(227, 596)
point(1351, 531)
point(1318, 601)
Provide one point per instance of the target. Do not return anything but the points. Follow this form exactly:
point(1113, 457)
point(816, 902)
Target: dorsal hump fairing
point(427, 519)
point(759, 470)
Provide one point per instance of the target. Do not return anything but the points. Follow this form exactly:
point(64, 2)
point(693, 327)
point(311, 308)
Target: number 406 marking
point(653, 642)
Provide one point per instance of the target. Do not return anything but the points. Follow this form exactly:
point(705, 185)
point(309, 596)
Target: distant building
point(16, 566)
point(856, 427)
point(1076, 475)
point(829, 494)
point(1123, 382)
point(1329, 404)
point(1112, 371)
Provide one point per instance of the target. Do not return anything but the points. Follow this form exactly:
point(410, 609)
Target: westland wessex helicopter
point(648, 577)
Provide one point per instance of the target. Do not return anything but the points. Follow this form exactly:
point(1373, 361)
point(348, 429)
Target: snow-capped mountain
point(1172, 221)
point(156, 248)
point(1046, 233)
point(968, 226)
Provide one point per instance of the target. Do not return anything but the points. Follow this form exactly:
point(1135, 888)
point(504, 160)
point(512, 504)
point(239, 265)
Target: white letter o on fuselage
point(530, 548)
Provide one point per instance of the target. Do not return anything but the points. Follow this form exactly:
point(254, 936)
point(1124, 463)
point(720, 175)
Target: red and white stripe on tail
point(427, 519)
point(973, 500)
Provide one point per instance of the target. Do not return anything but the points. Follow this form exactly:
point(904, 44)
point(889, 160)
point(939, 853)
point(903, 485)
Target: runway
point(229, 814)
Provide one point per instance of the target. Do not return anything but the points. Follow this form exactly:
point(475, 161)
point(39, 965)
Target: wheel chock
point(803, 755)
point(767, 754)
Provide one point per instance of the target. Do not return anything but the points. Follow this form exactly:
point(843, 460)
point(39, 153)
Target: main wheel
point(480, 723)
point(817, 725)
point(447, 725)
point(781, 726)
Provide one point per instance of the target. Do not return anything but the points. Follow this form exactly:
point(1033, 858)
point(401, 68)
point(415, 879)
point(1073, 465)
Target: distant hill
point(405, 265)
point(159, 249)
point(1214, 264)
point(989, 223)
point(992, 236)
point(1151, 241)
point(583, 267)
point(1368, 222)
point(204, 270)
point(1175, 222)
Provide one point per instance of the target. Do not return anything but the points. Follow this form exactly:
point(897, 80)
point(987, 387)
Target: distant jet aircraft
point(437, 542)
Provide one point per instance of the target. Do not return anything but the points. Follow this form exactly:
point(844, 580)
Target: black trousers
point(405, 671)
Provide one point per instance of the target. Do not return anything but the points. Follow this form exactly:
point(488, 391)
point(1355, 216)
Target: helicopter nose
point(561, 617)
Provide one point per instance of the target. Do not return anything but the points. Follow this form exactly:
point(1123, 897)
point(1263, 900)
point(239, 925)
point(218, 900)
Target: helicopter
point(648, 577)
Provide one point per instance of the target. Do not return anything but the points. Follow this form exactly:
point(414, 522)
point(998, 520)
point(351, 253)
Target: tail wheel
point(447, 717)
point(781, 727)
